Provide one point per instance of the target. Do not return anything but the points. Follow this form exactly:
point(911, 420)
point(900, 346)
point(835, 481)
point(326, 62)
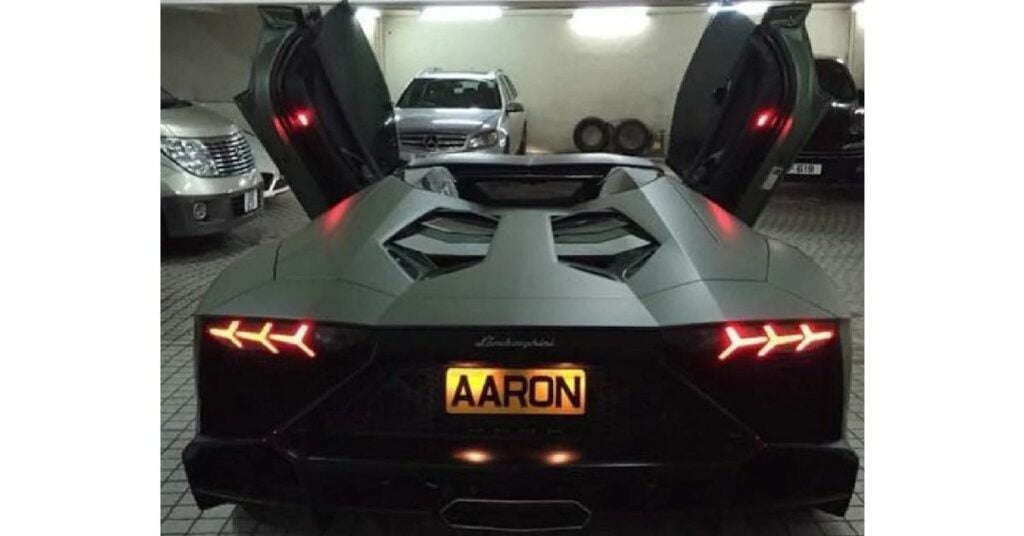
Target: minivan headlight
point(489, 138)
point(189, 153)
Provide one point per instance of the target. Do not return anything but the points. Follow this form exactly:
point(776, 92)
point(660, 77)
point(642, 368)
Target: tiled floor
point(826, 225)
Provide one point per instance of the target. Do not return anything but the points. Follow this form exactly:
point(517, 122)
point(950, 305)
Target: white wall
point(205, 53)
point(857, 48)
point(829, 28)
point(563, 77)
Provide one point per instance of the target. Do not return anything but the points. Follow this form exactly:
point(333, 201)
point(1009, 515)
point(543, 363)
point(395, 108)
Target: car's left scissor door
point(318, 102)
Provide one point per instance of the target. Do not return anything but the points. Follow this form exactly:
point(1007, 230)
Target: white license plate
point(801, 168)
point(252, 201)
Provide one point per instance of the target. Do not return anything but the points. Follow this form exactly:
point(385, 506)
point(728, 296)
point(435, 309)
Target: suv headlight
point(189, 153)
point(856, 131)
point(489, 138)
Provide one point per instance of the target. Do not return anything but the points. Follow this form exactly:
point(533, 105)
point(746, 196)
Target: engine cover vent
point(604, 243)
point(442, 242)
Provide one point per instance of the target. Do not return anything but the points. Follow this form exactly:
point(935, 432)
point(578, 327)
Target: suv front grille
point(231, 154)
point(431, 141)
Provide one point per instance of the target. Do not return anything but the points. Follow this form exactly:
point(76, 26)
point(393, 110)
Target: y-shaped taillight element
point(771, 338)
point(265, 337)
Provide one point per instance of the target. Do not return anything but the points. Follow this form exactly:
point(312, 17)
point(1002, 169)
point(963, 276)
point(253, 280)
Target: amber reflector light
point(475, 456)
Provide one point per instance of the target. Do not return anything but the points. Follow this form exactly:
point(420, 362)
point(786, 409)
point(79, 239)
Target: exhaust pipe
point(515, 515)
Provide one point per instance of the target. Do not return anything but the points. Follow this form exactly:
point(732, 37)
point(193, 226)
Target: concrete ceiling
point(514, 4)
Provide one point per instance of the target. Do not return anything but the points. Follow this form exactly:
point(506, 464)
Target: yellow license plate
point(561, 391)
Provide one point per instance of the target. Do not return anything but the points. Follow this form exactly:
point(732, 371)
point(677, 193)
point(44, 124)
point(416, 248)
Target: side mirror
point(514, 107)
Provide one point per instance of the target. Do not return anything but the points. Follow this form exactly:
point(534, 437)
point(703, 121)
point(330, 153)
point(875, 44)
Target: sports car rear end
point(664, 423)
point(513, 342)
point(458, 358)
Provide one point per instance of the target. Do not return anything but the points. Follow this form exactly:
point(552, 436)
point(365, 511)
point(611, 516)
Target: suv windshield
point(835, 79)
point(170, 101)
point(450, 93)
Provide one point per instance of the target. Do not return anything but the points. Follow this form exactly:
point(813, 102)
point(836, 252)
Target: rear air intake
point(604, 243)
point(516, 515)
point(442, 242)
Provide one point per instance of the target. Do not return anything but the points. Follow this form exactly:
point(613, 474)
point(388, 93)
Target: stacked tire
point(628, 137)
point(592, 135)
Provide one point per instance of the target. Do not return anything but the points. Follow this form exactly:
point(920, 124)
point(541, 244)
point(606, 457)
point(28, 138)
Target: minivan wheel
point(522, 143)
point(632, 137)
point(592, 134)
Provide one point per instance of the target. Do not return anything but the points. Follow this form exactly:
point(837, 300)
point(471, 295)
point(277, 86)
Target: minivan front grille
point(231, 154)
point(431, 141)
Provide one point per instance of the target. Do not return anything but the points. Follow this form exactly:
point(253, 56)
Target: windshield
point(451, 93)
point(170, 101)
point(835, 79)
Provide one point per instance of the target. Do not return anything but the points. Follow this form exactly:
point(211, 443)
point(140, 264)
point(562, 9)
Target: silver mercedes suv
point(449, 111)
point(208, 183)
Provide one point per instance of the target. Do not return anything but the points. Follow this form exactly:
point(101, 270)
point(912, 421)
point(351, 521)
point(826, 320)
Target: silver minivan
point(208, 183)
point(448, 111)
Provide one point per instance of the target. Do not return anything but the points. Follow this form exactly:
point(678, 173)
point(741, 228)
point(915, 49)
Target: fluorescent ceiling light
point(609, 21)
point(367, 19)
point(747, 8)
point(460, 13)
point(859, 13)
point(367, 13)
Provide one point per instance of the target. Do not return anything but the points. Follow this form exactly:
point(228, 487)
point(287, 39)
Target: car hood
point(460, 120)
point(194, 122)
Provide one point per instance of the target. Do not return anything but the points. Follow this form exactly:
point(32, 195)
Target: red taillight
point(764, 119)
point(268, 337)
point(302, 118)
point(737, 341)
point(774, 338)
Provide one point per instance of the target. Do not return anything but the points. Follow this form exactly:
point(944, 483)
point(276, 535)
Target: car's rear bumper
point(419, 476)
point(365, 425)
point(842, 165)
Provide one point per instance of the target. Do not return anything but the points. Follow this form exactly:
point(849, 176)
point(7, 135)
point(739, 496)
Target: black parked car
point(835, 152)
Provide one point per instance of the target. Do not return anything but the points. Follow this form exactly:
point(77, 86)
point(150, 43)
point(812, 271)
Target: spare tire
point(632, 137)
point(592, 135)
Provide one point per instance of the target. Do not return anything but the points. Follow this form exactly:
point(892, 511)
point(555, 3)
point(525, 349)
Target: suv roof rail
point(472, 72)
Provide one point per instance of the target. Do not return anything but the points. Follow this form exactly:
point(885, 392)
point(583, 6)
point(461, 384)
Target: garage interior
point(564, 72)
point(206, 52)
